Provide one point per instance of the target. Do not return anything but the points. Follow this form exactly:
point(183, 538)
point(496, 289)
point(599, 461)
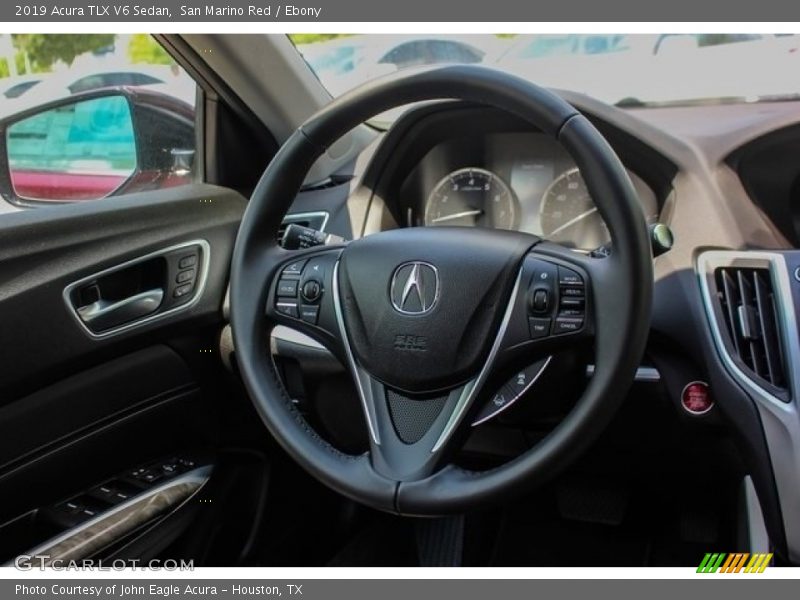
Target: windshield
point(629, 70)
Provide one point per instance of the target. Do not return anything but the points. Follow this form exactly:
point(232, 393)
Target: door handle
point(105, 314)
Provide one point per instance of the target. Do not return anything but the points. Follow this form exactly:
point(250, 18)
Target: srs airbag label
point(418, 343)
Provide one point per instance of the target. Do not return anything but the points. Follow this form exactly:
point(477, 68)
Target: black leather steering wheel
point(424, 317)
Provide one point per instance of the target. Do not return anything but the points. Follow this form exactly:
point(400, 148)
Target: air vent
point(747, 300)
point(314, 220)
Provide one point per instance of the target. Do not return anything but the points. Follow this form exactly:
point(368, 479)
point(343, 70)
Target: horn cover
point(422, 305)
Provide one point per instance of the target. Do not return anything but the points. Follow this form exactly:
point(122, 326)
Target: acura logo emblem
point(415, 288)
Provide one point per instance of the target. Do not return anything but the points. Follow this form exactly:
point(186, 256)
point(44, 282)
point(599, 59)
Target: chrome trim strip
point(198, 290)
point(508, 404)
point(757, 536)
point(472, 388)
point(643, 374)
point(361, 378)
point(198, 476)
point(780, 420)
point(282, 333)
point(100, 308)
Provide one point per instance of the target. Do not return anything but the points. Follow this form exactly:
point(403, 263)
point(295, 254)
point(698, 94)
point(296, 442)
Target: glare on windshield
point(632, 70)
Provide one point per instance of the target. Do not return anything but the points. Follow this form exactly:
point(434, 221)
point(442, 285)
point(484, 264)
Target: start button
point(696, 398)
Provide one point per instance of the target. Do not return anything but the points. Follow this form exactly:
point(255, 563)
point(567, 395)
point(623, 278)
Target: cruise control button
point(567, 325)
point(569, 277)
point(572, 302)
point(287, 308)
point(309, 314)
point(287, 288)
point(294, 268)
point(571, 292)
point(539, 328)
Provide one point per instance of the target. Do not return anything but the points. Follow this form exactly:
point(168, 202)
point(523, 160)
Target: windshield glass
point(630, 70)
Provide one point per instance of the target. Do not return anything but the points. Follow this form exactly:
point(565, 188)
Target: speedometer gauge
point(568, 214)
point(471, 197)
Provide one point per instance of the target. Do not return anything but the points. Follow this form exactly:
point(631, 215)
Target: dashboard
point(522, 181)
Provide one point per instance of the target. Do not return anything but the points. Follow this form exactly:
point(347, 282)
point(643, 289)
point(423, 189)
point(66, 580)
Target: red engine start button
point(696, 398)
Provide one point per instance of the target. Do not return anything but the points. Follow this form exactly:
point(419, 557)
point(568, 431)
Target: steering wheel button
point(312, 290)
point(572, 292)
point(287, 288)
point(567, 325)
point(501, 398)
point(571, 302)
point(315, 268)
point(541, 301)
point(287, 308)
point(569, 277)
point(294, 268)
point(520, 381)
point(539, 328)
point(309, 314)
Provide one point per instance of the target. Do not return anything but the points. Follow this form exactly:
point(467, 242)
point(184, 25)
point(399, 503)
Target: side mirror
point(98, 144)
point(80, 150)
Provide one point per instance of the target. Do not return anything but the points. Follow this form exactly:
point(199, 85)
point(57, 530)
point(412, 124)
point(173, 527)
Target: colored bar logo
point(739, 562)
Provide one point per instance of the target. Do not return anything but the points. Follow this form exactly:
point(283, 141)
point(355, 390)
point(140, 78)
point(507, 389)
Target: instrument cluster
point(520, 181)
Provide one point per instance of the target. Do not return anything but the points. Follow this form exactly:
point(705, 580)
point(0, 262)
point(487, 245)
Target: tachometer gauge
point(568, 214)
point(471, 197)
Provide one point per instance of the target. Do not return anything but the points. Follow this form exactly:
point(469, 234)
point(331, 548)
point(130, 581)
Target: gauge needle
point(572, 222)
point(458, 215)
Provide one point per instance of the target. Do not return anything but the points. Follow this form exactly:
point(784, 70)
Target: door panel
point(80, 402)
point(44, 251)
point(86, 400)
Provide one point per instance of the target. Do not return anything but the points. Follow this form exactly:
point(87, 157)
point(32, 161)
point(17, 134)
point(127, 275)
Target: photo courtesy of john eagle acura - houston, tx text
point(399, 300)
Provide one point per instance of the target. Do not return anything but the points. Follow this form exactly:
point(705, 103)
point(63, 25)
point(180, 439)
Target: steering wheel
point(425, 317)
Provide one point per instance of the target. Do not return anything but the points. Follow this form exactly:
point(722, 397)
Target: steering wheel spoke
point(550, 309)
point(409, 436)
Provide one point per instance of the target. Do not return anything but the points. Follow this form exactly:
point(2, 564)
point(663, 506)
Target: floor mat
point(595, 523)
point(385, 543)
